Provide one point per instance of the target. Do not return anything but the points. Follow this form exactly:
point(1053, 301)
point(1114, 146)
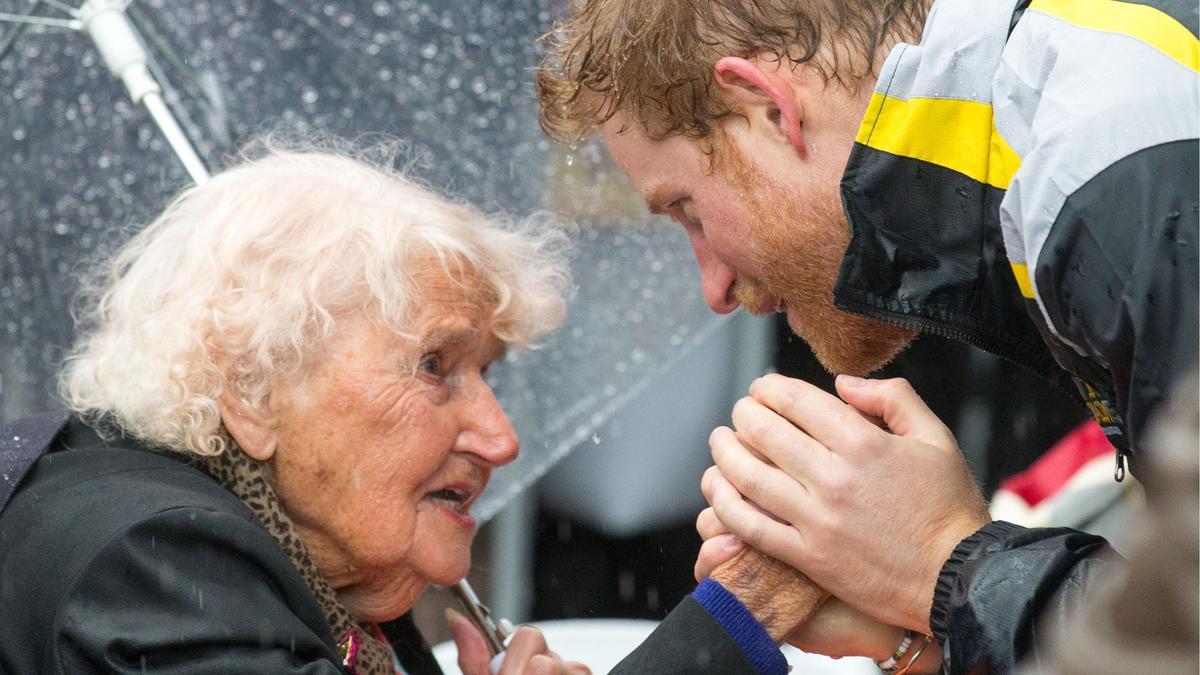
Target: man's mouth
point(772, 306)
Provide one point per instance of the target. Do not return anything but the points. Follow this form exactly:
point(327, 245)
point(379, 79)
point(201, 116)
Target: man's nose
point(486, 431)
point(716, 278)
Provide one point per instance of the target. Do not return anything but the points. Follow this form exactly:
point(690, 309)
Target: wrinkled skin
point(373, 431)
point(836, 476)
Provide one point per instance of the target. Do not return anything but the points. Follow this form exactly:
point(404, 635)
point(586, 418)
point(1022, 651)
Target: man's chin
point(849, 344)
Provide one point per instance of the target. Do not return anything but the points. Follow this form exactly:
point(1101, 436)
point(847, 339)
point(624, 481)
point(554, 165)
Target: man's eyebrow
point(656, 197)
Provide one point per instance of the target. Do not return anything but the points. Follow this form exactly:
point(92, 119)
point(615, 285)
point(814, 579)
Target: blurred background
point(595, 520)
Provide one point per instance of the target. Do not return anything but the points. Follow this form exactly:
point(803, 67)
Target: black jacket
point(114, 558)
point(1025, 180)
point(688, 642)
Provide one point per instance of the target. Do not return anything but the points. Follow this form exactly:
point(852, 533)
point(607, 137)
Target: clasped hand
point(867, 496)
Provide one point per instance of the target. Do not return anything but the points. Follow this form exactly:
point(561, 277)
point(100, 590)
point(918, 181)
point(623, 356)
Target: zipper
point(940, 329)
point(1103, 414)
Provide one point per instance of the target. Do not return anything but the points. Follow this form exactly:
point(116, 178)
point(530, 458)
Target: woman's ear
point(252, 426)
point(760, 92)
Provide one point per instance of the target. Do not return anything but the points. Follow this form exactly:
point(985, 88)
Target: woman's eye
point(431, 364)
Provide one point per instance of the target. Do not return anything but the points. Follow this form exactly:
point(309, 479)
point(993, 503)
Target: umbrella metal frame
point(122, 48)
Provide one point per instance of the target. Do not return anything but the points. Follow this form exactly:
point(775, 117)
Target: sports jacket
point(1025, 180)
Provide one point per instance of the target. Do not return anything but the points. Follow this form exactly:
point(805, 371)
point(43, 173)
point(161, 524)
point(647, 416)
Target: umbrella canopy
point(85, 167)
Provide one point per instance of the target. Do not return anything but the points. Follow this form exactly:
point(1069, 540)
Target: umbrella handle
point(119, 45)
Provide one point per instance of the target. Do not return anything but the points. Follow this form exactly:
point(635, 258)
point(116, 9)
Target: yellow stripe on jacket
point(953, 133)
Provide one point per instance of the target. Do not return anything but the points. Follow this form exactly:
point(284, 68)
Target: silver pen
point(496, 633)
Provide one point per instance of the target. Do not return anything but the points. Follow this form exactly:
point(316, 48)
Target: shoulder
point(85, 491)
point(108, 546)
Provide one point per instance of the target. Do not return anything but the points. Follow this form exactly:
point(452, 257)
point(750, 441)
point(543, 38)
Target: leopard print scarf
point(361, 651)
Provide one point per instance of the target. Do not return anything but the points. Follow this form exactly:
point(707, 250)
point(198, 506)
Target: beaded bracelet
point(891, 665)
point(916, 655)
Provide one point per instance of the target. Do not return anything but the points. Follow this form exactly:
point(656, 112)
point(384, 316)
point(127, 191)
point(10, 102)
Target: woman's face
point(384, 447)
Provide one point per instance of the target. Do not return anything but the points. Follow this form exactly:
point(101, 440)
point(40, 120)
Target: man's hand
point(869, 513)
point(527, 653)
point(835, 629)
point(779, 597)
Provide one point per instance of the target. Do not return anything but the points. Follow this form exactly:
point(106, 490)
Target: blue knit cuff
point(741, 626)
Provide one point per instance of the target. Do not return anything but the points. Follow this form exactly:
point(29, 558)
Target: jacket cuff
point(950, 581)
point(742, 627)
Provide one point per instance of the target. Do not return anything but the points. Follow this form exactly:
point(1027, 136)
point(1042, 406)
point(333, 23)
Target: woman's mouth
point(455, 499)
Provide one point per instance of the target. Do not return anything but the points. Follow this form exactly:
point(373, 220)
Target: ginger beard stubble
point(798, 248)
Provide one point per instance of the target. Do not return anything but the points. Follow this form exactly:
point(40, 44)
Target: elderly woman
point(279, 424)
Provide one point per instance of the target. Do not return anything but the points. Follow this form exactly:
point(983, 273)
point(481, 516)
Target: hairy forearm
point(780, 597)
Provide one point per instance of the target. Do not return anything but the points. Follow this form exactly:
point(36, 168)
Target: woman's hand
point(836, 629)
point(527, 653)
point(870, 514)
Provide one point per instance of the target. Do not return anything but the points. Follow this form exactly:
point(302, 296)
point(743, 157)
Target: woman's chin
point(452, 572)
point(383, 605)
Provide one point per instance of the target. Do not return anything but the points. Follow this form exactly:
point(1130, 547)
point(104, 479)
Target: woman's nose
point(486, 431)
point(716, 278)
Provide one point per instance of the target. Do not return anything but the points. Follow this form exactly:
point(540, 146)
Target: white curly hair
point(241, 280)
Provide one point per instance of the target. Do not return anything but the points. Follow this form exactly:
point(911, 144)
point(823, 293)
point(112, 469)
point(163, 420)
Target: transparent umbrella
point(452, 79)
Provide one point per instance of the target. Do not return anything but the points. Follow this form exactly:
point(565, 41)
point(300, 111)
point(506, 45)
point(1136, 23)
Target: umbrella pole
point(118, 43)
point(175, 137)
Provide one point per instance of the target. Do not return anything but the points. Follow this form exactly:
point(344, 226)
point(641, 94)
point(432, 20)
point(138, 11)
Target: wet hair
point(241, 281)
point(653, 59)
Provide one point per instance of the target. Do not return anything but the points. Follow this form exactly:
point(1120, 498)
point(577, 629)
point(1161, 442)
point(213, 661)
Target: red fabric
point(1051, 471)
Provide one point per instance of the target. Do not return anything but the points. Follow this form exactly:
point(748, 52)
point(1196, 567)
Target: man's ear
point(756, 90)
point(252, 426)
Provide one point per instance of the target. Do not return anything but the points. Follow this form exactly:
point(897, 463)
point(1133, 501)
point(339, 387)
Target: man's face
point(767, 230)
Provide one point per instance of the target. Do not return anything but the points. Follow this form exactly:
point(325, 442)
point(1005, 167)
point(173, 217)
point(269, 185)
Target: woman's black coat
point(118, 559)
